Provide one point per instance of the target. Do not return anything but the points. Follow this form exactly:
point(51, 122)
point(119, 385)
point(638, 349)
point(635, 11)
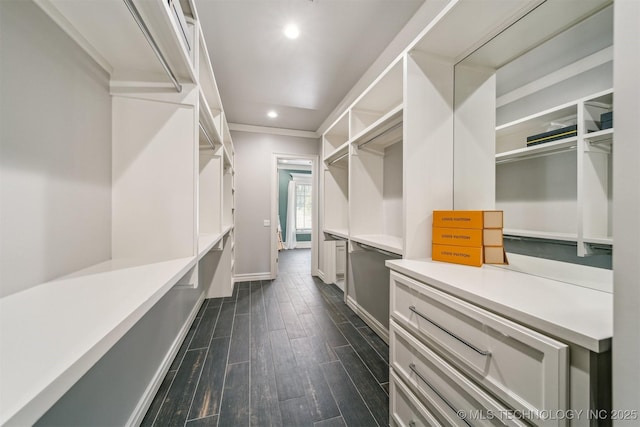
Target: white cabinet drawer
point(458, 401)
point(525, 369)
point(406, 409)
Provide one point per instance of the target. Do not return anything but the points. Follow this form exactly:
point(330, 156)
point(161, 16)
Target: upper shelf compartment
point(382, 97)
point(209, 94)
point(385, 131)
point(336, 137)
point(109, 32)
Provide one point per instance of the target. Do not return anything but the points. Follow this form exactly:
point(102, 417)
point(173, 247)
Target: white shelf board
point(385, 242)
point(538, 150)
point(342, 233)
point(207, 120)
point(601, 136)
point(374, 136)
point(226, 229)
point(538, 120)
point(91, 25)
point(572, 313)
point(599, 240)
point(206, 241)
point(65, 326)
point(566, 237)
point(339, 155)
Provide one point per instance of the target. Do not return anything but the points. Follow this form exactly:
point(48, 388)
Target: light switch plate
point(267, 223)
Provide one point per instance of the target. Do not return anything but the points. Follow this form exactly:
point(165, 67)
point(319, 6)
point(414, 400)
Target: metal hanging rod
point(207, 137)
point(392, 128)
point(152, 42)
point(339, 158)
point(382, 251)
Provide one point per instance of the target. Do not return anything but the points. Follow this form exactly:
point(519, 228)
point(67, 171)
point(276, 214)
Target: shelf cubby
point(336, 136)
point(209, 199)
point(513, 135)
point(91, 24)
point(376, 209)
point(382, 97)
point(336, 193)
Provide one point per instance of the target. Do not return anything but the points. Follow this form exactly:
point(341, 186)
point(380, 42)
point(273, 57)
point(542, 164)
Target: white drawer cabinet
point(458, 400)
point(504, 347)
point(406, 409)
point(521, 367)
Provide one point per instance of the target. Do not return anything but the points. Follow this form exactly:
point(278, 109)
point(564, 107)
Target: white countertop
point(571, 313)
point(53, 333)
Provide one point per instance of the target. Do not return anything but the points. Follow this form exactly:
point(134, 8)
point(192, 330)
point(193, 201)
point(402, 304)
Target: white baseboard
point(251, 277)
point(147, 398)
point(377, 327)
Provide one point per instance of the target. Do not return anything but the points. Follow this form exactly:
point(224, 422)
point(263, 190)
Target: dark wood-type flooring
point(286, 352)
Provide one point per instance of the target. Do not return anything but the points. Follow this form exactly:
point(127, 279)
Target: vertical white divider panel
point(210, 193)
point(428, 147)
point(154, 179)
point(215, 272)
point(475, 138)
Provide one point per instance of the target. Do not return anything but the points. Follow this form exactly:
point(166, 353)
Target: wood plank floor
point(286, 352)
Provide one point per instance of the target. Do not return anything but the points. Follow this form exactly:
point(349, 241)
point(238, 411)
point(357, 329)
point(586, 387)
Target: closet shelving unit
point(336, 179)
point(569, 178)
point(375, 172)
point(172, 202)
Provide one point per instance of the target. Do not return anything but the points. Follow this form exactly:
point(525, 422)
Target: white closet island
point(117, 204)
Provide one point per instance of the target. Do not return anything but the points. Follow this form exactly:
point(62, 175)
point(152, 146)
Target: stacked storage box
point(468, 237)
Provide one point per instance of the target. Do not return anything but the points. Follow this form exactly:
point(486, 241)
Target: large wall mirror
point(534, 136)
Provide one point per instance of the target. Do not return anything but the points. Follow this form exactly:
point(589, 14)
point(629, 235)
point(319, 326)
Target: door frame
point(274, 209)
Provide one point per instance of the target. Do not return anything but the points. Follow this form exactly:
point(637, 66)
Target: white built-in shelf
point(337, 135)
point(53, 333)
point(548, 148)
point(384, 242)
point(385, 131)
point(538, 120)
point(566, 237)
point(207, 241)
point(339, 157)
point(339, 233)
point(125, 53)
point(207, 122)
point(599, 240)
point(601, 136)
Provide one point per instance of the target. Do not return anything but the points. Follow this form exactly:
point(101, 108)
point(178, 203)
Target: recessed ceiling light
point(272, 114)
point(291, 31)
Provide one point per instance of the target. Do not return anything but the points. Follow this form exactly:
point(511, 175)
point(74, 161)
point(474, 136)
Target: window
point(303, 207)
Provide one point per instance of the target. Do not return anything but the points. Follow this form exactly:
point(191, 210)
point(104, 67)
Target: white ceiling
point(258, 69)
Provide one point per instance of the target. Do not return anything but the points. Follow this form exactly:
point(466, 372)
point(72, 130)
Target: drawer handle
point(412, 423)
point(442, 328)
point(412, 366)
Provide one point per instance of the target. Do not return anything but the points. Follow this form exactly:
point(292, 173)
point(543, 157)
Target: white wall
point(55, 152)
point(253, 163)
point(626, 196)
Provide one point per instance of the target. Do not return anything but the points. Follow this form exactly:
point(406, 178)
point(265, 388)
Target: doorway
point(294, 216)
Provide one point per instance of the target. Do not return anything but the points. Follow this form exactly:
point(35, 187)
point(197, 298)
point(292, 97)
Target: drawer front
point(459, 401)
point(406, 409)
point(523, 368)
